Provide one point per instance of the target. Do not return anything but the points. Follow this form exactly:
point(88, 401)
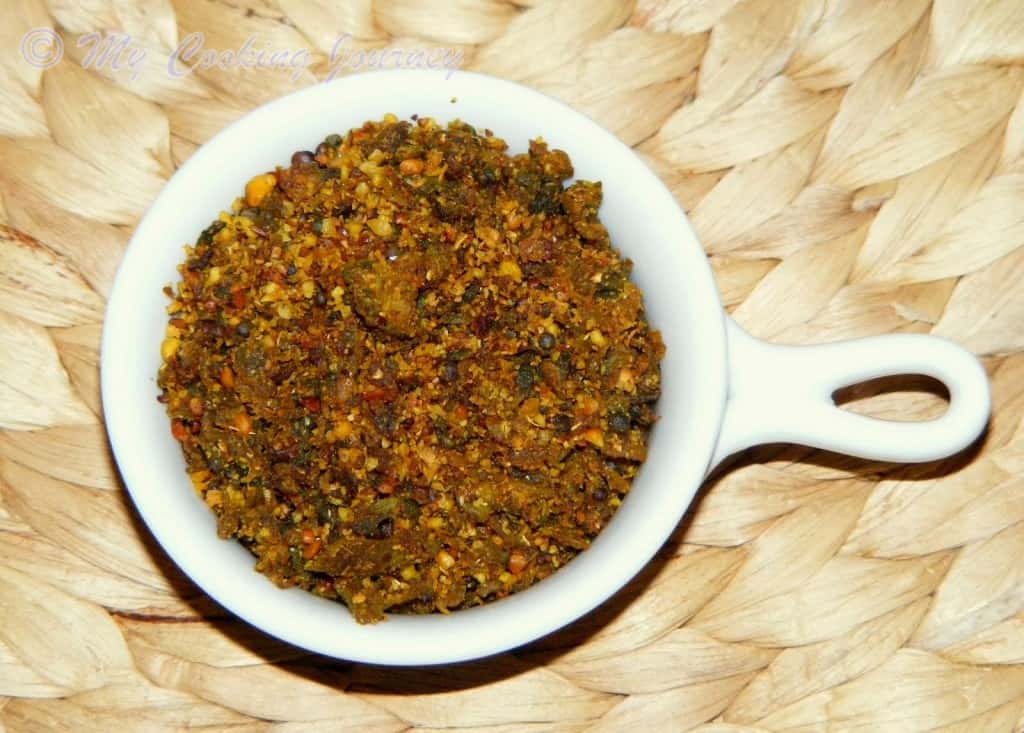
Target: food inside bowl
point(409, 371)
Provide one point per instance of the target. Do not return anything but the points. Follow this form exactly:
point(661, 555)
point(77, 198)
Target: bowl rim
point(482, 624)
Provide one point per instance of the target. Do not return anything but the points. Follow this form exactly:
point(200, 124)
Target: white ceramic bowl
point(722, 390)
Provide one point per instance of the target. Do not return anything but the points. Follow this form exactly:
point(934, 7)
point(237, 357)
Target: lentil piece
point(257, 188)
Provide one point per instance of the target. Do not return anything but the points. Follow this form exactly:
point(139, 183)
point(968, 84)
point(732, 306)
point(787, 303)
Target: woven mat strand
point(852, 167)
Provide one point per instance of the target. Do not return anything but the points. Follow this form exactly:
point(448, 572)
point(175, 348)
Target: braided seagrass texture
point(852, 167)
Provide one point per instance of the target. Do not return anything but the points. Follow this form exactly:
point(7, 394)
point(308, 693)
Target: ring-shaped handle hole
point(900, 398)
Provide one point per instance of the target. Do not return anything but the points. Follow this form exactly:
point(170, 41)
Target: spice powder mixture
point(409, 371)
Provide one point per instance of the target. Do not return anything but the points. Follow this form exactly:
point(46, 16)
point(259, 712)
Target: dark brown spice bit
point(282, 455)
point(619, 422)
point(206, 238)
point(561, 423)
point(525, 378)
point(203, 260)
point(384, 529)
point(482, 324)
point(449, 372)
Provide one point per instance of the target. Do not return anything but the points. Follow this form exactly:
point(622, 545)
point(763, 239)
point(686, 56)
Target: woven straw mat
point(852, 167)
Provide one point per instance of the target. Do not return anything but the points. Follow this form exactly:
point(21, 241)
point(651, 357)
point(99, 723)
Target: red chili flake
point(311, 403)
point(178, 430)
point(311, 549)
point(377, 395)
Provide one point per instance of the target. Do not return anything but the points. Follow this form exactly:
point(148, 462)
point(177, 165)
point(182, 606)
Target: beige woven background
point(853, 167)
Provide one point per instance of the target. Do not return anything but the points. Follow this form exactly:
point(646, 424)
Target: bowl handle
point(784, 394)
